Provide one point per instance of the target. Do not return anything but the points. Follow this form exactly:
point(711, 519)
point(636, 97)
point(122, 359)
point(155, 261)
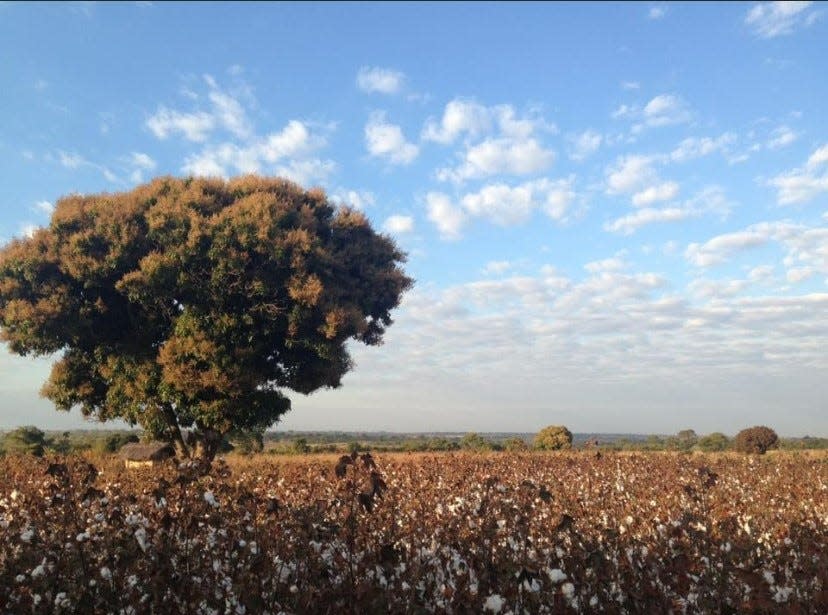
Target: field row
point(440, 533)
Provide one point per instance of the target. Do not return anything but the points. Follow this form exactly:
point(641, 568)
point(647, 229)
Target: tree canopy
point(194, 303)
point(553, 438)
point(758, 439)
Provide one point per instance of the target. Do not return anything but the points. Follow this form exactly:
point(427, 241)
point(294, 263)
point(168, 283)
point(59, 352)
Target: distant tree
point(553, 438)
point(684, 440)
point(247, 441)
point(758, 439)
point(27, 440)
point(475, 442)
point(192, 304)
point(301, 446)
point(515, 445)
point(713, 442)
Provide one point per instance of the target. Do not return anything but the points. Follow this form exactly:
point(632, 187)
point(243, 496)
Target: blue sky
point(616, 214)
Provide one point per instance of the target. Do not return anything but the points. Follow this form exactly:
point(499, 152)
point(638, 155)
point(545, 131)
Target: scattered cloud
point(803, 184)
point(584, 145)
point(71, 160)
point(44, 207)
point(711, 200)
point(386, 140)
point(497, 267)
point(657, 12)
point(502, 156)
point(382, 80)
point(666, 191)
point(502, 204)
point(666, 109)
point(287, 152)
point(359, 199)
point(781, 137)
point(447, 217)
point(630, 85)
point(697, 147)
point(472, 120)
point(193, 126)
point(630, 173)
point(398, 224)
point(772, 19)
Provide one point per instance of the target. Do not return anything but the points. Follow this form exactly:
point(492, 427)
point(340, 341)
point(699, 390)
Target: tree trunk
point(181, 447)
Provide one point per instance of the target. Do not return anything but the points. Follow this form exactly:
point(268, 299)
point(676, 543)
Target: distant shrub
point(515, 445)
point(714, 442)
point(27, 440)
point(758, 439)
point(553, 438)
point(475, 442)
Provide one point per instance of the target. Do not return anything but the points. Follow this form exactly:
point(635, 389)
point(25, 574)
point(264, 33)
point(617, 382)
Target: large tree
point(192, 304)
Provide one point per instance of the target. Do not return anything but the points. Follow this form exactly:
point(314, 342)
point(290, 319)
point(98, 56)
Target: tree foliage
point(553, 438)
point(28, 440)
point(758, 439)
point(193, 303)
point(713, 442)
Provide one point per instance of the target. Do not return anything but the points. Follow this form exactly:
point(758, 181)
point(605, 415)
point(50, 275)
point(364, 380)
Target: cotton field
point(502, 533)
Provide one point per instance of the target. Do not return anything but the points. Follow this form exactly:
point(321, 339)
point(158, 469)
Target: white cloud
point(656, 12)
point(607, 265)
point(307, 172)
point(630, 85)
point(44, 207)
point(399, 224)
point(697, 147)
point(664, 110)
point(292, 148)
point(802, 185)
point(448, 218)
point(782, 137)
point(820, 156)
point(471, 119)
point(503, 156)
point(772, 19)
point(660, 192)
point(193, 126)
point(142, 161)
point(383, 80)
point(710, 200)
point(585, 144)
point(226, 112)
point(386, 140)
point(496, 267)
point(630, 173)
point(805, 249)
point(71, 160)
point(718, 249)
point(359, 199)
point(506, 205)
point(230, 114)
point(627, 225)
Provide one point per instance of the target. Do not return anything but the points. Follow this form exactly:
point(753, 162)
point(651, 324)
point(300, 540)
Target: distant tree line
point(757, 440)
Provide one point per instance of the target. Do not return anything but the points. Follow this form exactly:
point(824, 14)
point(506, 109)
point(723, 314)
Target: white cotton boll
point(14, 495)
point(20, 578)
point(106, 573)
point(556, 575)
point(141, 538)
point(568, 590)
point(210, 498)
point(494, 603)
point(27, 535)
point(39, 570)
point(294, 589)
point(768, 575)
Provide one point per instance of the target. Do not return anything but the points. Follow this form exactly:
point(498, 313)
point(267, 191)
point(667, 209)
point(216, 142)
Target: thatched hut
point(146, 455)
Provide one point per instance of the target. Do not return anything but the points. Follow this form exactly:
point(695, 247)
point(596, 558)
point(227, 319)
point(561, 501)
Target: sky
point(616, 214)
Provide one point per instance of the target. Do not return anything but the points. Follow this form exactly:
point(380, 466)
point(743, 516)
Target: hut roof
point(150, 451)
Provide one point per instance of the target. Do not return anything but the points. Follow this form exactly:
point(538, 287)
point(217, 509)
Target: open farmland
point(453, 533)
